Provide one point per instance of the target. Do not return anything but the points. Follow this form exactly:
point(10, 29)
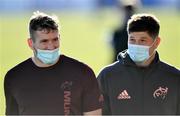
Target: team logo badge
point(124, 95)
point(160, 92)
point(66, 85)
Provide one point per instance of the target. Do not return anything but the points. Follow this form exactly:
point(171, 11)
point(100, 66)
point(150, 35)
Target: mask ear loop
point(152, 46)
point(153, 42)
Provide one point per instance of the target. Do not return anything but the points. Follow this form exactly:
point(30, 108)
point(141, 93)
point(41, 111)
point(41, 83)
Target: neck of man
point(38, 63)
point(147, 62)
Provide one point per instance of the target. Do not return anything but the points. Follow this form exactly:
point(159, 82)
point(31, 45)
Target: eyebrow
point(43, 40)
point(48, 39)
point(143, 37)
point(131, 37)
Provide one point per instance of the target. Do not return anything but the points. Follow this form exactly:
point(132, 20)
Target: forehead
point(45, 34)
point(139, 35)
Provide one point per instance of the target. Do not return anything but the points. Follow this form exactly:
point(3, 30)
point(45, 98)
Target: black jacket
point(128, 89)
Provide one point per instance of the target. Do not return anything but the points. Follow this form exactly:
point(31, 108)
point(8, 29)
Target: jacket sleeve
point(11, 104)
point(103, 87)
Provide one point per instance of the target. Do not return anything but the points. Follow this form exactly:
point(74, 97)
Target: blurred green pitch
point(83, 37)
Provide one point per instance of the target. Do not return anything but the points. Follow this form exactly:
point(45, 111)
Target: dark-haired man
point(139, 83)
point(50, 83)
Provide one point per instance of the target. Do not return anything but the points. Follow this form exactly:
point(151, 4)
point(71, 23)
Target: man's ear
point(30, 43)
point(158, 41)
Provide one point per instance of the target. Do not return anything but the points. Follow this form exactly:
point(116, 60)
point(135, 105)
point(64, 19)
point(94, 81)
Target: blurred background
point(86, 28)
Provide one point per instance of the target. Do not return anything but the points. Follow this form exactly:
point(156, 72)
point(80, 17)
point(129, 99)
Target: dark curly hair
point(144, 22)
point(41, 21)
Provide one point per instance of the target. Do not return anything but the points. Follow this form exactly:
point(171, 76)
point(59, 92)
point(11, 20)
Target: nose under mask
point(139, 53)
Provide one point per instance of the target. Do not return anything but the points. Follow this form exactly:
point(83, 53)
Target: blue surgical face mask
point(48, 56)
point(139, 53)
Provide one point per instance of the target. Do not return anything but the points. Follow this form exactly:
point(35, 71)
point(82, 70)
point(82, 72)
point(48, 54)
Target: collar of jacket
point(125, 59)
